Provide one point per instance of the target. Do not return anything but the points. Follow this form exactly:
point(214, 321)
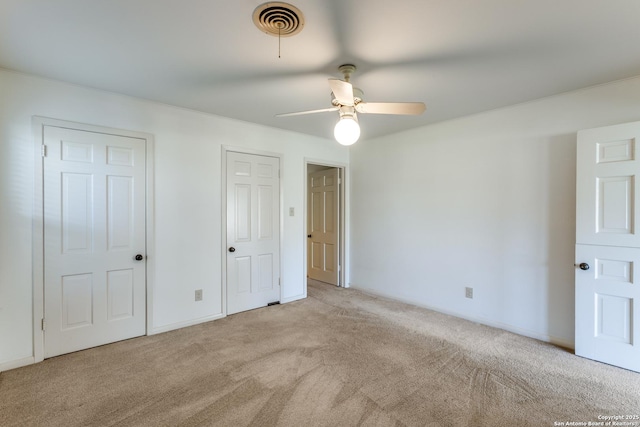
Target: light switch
point(292, 211)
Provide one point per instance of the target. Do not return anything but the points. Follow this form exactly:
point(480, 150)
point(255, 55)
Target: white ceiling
point(458, 56)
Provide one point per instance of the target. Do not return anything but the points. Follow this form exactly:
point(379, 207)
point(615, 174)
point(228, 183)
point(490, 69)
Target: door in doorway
point(94, 239)
point(323, 231)
point(253, 231)
point(607, 283)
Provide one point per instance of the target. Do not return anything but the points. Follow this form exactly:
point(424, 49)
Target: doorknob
point(583, 266)
point(138, 257)
point(309, 235)
point(232, 249)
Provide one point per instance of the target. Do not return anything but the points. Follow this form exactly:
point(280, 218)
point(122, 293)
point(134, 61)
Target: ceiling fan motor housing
point(348, 112)
point(358, 95)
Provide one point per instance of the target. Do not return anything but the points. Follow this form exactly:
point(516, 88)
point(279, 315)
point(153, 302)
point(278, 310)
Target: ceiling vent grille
point(278, 19)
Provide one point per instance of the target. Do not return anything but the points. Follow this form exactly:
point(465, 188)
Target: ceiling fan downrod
point(347, 70)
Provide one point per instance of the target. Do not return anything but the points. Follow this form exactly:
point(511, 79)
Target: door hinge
point(279, 281)
point(42, 324)
point(339, 180)
point(44, 150)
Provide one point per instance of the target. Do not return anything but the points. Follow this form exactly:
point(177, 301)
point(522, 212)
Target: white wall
point(486, 201)
point(187, 198)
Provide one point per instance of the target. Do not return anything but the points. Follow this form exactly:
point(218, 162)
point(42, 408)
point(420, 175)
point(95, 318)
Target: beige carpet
point(338, 358)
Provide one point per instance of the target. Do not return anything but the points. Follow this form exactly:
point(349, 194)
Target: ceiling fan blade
point(300, 113)
point(391, 108)
point(343, 91)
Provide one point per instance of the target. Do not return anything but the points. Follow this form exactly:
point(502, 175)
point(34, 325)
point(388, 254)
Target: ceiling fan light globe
point(347, 131)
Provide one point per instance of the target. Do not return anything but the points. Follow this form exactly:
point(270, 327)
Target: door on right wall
point(323, 226)
point(607, 283)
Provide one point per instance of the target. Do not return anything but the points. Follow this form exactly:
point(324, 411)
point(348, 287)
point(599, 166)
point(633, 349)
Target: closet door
point(253, 231)
point(94, 234)
point(608, 246)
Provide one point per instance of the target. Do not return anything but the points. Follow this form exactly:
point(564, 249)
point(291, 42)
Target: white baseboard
point(482, 320)
point(18, 363)
point(179, 325)
point(293, 298)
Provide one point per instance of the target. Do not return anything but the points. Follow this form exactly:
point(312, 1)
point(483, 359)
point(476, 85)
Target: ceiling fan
point(348, 101)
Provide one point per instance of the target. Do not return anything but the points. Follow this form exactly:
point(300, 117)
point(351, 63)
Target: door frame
point(38, 124)
point(223, 208)
point(343, 214)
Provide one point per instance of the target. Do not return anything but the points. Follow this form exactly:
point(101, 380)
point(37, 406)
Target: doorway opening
point(325, 219)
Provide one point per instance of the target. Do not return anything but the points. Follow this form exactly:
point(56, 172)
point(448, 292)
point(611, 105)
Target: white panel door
point(608, 246)
point(323, 220)
point(253, 231)
point(94, 226)
point(607, 295)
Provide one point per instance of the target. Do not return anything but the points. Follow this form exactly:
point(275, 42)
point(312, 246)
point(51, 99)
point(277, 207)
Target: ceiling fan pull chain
point(279, 31)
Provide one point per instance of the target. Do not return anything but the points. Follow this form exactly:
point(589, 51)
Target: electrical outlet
point(198, 294)
point(468, 292)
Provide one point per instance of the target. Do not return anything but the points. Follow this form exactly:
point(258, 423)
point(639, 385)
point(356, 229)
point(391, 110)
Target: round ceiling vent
point(278, 19)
